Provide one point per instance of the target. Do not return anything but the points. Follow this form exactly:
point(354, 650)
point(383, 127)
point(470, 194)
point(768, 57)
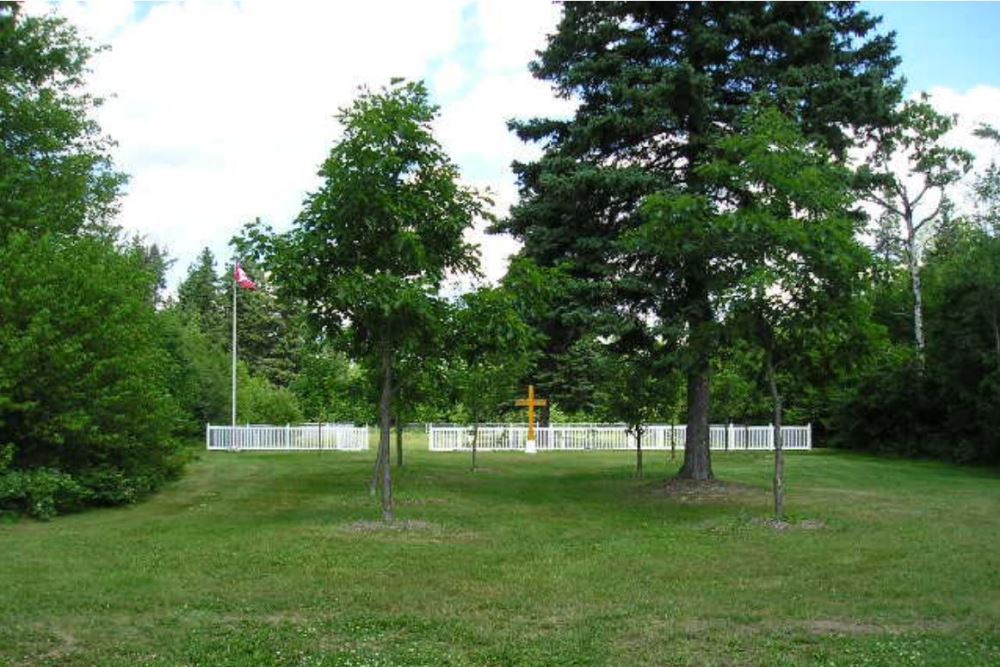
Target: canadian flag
point(242, 279)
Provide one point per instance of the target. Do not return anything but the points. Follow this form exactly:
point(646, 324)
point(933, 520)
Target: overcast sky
point(223, 111)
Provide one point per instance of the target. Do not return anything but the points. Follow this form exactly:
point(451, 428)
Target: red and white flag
point(242, 279)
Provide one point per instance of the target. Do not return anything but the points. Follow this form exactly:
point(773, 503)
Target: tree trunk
point(385, 411)
point(697, 457)
point(475, 438)
point(373, 486)
point(912, 249)
point(399, 443)
point(638, 453)
point(697, 454)
point(779, 451)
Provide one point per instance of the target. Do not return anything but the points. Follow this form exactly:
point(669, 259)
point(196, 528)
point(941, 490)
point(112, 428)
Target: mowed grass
point(557, 559)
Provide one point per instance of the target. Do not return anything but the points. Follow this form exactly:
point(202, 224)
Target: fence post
point(288, 436)
point(208, 440)
point(730, 443)
point(809, 435)
point(770, 437)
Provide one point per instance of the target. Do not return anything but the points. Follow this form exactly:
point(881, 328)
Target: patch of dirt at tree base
point(781, 526)
point(689, 490)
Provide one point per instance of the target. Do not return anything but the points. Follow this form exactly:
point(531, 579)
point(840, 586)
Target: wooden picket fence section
point(290, 437)
point(575, 437)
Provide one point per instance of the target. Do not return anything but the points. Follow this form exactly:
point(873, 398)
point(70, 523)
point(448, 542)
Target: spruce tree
point(657, 85)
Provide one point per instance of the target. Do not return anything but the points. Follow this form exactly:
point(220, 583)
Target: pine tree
point(657, 84)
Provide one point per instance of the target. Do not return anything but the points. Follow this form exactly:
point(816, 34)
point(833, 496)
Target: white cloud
point(223, 111)
point(977, 106)
point(98, 20)
point(513, 31)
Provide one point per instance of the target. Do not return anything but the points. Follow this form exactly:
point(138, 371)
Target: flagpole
point(234, 359)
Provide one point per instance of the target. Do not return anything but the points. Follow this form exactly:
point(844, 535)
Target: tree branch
point(883, 203)
point(916, 227)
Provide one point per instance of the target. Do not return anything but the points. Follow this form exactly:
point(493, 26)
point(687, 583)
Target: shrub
point(41, 493)
point(84, 376)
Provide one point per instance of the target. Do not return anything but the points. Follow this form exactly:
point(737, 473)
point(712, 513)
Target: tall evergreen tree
point(199, 297)
point(657, 84)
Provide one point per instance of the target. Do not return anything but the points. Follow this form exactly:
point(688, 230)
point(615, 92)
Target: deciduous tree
point(371, 246)
point(491, 349)
point(908, 175)
point(794, 238)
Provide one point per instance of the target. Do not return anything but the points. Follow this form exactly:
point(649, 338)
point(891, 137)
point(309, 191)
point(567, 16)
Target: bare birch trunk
point(913, 250)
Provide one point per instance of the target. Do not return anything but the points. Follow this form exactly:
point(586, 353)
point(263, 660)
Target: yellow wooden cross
point(531, 403)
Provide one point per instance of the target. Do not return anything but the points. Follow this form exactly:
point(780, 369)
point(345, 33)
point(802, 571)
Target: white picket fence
point(575, 437)
point(291, 437)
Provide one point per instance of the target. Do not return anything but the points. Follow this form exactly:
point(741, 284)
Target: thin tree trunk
point(638, 452)
point(918, 295)
point(673, 443)
point(373, 486)
point(399, 442)
point(385, 407)
point(779, 451)
point(475, 438)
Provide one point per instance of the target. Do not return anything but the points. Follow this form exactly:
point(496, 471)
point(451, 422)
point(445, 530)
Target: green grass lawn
point(557, 559)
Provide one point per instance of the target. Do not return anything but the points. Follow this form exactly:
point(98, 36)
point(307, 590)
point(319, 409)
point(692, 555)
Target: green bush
point(260, 402)
point(111, 486)
point(84, 376)
point(41, 493)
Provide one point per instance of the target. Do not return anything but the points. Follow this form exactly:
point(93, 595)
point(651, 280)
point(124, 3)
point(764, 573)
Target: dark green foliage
point(374, 242)
point(951, 407)
point(87, 414)
point(260, 402)
point(736, 385)
point(659, 84)
point(270, 331)
point(200, 298)
point(83, 373)
point(491, 349)
point(199, 372)
point(41, 493)
point(331, 388)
